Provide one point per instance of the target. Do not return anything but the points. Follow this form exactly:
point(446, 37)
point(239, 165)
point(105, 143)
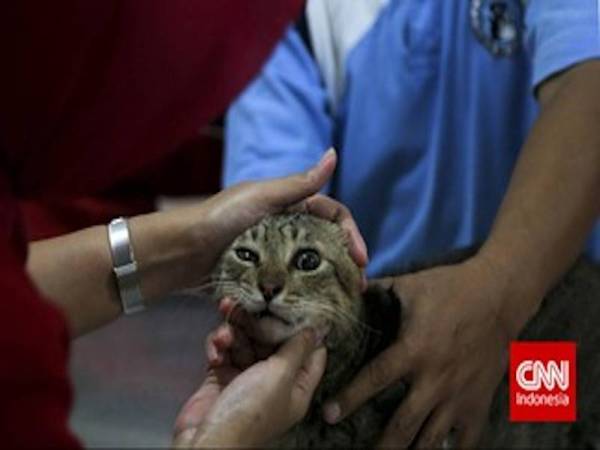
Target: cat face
point(289, 272)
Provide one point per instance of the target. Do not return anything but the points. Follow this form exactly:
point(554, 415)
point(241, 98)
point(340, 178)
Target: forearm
point(553, 197)
point(175, 249)
point(75, 270)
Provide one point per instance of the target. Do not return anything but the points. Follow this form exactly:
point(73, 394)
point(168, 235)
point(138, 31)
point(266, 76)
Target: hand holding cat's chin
point(249, 408)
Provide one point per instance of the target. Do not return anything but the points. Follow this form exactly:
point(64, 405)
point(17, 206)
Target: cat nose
point(270, 290)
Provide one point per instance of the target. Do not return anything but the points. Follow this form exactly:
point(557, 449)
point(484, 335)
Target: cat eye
point(247, 255)
point(307, 260)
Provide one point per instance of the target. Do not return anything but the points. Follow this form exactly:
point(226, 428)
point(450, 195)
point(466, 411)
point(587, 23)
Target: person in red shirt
point(91, 92)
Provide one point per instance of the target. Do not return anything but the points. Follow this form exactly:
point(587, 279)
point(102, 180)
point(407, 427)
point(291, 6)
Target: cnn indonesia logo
point(542, 382)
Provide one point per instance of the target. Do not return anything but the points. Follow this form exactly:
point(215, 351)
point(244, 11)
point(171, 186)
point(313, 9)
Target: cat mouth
point(266, 313)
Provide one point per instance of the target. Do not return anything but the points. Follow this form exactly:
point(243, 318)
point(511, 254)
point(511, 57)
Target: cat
point(292, 271)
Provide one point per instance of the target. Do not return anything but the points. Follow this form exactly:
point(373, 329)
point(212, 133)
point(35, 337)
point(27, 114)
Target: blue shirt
point(428, 121)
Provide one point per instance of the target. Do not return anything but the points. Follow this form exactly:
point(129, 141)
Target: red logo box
point(543, 378)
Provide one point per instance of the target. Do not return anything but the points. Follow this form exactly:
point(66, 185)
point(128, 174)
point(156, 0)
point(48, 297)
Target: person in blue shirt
point(457, 122)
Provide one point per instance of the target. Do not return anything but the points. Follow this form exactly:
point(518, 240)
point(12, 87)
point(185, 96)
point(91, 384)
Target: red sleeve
point(91, 91)
point(35, 393)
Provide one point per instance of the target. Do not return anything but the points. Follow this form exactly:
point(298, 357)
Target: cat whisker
point(207, 286)
point(334, 314)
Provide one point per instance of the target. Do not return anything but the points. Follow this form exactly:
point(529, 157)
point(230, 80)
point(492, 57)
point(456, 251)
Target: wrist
point(229, 435)
point(513, 264)
point(170, 251)
point(519, 294)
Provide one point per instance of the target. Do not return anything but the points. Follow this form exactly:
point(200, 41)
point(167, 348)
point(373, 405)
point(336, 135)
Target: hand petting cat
point(236, 209)
point(249, 408)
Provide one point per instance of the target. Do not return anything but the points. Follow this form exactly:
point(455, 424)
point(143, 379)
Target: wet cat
point(292, 271)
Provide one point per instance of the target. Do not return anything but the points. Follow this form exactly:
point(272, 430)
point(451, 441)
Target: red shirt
point(90, 92)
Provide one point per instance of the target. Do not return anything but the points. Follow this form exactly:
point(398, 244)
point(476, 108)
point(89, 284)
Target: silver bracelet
point(125, 266)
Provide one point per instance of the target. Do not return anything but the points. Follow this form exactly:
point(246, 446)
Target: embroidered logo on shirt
point(498, 24)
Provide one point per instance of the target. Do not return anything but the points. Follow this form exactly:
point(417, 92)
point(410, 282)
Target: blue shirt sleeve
point(560, 34)
point(280, 124)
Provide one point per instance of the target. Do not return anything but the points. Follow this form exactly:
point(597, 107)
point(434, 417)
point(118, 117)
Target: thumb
point(306, 383)
point(283, 192)
point(296, 351)
point(310, 374)
point(306, 365)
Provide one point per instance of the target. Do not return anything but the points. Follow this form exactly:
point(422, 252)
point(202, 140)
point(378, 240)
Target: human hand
point(236, 408)
point(452, 350)
point(178, 249)
point(233, 343)
point(234, 210)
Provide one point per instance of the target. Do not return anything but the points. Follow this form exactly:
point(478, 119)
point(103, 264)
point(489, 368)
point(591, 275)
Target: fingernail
point(225, 305)
point(321, 333)
point(364, 283)
point(319, 338)
point(212, 354)
point(323, 162)
point(361, 244)
point(310, 335)
point(187, 435)
point(331, 412)
point(328, 154)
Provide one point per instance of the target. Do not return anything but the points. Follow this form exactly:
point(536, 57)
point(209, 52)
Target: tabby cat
point(293, 270)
